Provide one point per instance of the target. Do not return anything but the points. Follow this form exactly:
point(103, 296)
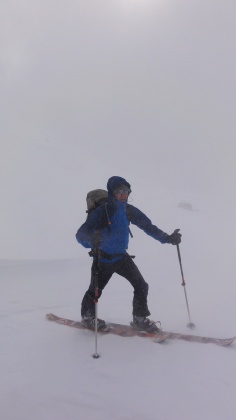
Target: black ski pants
point(125, 268)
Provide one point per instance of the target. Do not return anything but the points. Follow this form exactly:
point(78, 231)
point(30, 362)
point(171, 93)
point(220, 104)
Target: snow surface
point(48, 372)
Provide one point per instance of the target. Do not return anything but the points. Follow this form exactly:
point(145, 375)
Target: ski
point(116, 329)
point(127, 331)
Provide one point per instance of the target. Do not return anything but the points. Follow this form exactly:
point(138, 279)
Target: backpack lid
point(95, 198)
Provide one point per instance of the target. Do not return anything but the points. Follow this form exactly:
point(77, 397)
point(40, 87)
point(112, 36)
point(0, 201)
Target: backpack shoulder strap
point(105, 222)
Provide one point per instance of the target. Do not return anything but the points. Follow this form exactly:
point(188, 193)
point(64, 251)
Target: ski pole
point(190, 324)
point(96, 355)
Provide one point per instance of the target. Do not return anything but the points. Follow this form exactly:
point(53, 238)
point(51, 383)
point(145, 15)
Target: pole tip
point(96, 356)
point(191, 325)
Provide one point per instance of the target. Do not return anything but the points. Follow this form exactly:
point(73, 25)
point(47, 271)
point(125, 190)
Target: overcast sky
point(92, 88)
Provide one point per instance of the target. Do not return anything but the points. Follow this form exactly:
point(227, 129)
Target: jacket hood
point(114, 182)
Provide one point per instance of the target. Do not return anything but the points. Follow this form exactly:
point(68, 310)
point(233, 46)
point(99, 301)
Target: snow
point(144, 90)
point(48, 372)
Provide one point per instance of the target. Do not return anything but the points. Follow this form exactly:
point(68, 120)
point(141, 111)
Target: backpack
point(97, 198)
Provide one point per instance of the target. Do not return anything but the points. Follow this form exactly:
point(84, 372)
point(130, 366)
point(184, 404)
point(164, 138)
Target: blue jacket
point(111, 225)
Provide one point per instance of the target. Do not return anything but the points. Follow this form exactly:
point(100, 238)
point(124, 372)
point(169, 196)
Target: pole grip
point(96, 295)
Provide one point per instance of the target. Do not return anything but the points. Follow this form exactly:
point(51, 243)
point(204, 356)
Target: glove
point(175, 238)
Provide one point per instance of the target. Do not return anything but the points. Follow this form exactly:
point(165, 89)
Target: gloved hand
point(175, 238)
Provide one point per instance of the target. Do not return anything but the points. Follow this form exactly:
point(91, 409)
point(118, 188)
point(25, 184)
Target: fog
point(140, 89)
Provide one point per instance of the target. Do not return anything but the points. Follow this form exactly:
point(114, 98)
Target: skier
point(106, 232)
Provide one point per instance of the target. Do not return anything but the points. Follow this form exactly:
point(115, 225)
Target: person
point(106, 232)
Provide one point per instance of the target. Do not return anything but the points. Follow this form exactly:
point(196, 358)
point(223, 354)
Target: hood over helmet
point(114, 182)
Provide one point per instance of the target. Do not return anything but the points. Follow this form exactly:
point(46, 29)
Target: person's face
point(122, 193)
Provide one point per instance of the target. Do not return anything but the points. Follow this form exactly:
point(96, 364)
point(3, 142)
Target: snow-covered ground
point(48, 372)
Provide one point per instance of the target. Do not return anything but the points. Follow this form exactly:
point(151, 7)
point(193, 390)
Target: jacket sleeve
point(139, 219)
point(89, 229)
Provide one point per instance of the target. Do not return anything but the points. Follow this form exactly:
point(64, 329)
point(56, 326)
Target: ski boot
point(141, 323)
point(89, 322)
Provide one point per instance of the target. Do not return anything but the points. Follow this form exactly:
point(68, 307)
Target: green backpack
point(95, 198)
